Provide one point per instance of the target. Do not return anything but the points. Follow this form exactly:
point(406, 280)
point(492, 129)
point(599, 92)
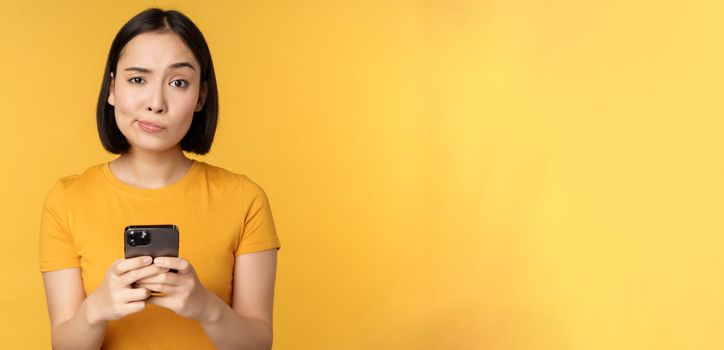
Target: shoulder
point(71, 185)
point(74, 182)
point(231, 179)
point(220, 174)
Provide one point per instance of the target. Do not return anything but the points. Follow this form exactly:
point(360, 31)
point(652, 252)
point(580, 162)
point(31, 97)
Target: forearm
point(229, 330)
point(79, 332)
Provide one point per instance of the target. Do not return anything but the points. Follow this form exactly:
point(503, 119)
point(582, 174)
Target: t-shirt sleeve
point(56, 247)
point(258, 232)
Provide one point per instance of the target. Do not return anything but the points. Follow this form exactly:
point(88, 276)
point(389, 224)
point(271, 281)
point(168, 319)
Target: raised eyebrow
point(182, 64)
point(146, 70)
point(137, 69)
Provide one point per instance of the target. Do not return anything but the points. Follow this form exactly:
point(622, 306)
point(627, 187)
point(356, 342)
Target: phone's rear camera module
point(139, 238)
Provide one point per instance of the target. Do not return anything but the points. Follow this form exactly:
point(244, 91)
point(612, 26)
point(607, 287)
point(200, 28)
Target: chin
point(152, 146)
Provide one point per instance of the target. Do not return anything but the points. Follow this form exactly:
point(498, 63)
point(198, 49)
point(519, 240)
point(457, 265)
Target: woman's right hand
point(116, 298)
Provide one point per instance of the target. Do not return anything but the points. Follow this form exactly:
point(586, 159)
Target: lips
point(150, 125)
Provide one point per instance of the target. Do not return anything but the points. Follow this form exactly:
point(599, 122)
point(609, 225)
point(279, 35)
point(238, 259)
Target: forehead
point(155, 50)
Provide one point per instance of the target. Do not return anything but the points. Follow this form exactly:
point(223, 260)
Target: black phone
point(151, 240)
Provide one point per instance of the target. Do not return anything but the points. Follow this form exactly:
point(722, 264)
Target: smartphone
point(151, 240)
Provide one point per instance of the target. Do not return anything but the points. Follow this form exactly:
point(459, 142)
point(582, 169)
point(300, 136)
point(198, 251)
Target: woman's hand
point(184, 293)
point(116, 298)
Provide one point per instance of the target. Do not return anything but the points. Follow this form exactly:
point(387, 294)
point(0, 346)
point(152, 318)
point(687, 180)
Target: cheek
point(187, 100)
point(182, 108)
point(126, 103)
point(182, 105)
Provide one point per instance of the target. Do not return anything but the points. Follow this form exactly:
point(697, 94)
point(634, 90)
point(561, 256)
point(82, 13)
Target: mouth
point(149, 126)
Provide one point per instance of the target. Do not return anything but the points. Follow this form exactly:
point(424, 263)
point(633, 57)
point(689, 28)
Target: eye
point(183, 83)
point(136, 80)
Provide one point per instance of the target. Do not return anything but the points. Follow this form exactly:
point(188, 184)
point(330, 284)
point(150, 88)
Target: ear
point(111, 95)
point(202, 97)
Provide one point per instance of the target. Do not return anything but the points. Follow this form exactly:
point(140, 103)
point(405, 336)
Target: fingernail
point(147, 259)
point(159, 261)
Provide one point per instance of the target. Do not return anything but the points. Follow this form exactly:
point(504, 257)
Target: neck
point(148, 169)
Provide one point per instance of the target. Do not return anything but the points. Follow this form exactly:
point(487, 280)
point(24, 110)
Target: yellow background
point(444, 174)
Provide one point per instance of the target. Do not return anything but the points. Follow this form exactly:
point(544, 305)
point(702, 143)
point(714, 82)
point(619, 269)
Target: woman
point(158, 99)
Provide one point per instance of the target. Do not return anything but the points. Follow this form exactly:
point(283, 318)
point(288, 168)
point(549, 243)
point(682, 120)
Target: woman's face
point(157, 83)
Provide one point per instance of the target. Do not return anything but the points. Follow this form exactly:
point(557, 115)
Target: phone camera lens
point(139, 238)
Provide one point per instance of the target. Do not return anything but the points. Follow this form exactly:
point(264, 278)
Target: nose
point(157, 101)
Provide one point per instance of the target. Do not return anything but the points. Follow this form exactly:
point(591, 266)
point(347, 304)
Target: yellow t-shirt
point(219, 214)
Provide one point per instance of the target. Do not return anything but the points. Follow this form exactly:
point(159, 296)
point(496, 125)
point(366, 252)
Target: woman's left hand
point(184, 293)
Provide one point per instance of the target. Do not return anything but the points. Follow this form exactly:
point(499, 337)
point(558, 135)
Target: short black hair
point(203, 126)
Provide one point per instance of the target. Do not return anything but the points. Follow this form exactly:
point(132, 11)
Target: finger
point(162, 278)
point(136, 294)
point(157, 287)
point(180, 264)
point(161, 301)
point(150, 279)
point(135, 306)
point(122, 266)
point(134, 275)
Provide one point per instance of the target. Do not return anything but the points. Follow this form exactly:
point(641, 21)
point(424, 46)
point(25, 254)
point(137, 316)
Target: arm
point(247, 324)
point(70, 326)
point(79, 322)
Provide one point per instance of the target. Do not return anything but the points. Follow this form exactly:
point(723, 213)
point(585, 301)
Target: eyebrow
point(175, 65)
